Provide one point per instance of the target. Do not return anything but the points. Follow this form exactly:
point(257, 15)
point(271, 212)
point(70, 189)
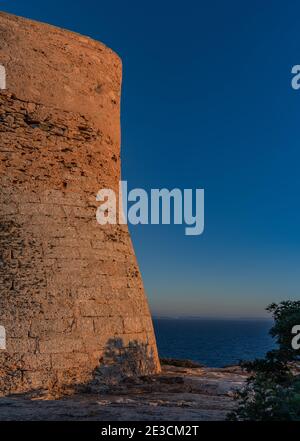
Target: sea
point(213, 342)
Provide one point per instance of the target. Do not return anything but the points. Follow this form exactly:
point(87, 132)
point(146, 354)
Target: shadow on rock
point(120, 363)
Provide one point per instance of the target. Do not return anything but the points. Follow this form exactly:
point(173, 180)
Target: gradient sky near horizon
point(206, 103)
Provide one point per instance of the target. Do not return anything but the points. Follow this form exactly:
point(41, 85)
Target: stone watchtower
point(71, 294)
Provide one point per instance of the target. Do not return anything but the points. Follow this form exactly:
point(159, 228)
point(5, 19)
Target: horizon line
point(199, 317)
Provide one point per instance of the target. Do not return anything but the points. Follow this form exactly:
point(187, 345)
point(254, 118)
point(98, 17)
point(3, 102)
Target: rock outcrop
point(71, 294)
point(178, 394)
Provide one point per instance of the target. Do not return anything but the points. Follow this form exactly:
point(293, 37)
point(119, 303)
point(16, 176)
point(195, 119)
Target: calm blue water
point(214, 343)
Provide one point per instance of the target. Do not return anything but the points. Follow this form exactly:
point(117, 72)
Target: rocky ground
point(177, 394)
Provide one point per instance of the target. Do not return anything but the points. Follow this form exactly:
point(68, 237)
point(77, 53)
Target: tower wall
point(71, 294)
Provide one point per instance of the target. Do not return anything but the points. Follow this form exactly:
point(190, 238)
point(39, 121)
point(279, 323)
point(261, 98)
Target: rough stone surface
point(71, 294)
point(178, 394)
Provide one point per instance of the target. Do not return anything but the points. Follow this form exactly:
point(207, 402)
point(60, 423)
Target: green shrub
point(272, 391)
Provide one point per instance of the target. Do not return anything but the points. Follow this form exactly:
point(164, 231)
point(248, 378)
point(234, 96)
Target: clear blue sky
point(207, 103)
